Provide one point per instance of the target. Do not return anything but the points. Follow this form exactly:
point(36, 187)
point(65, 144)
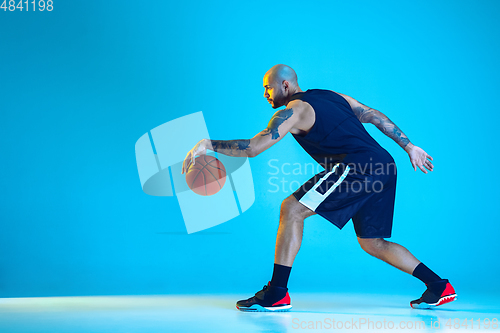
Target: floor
point(216, 313)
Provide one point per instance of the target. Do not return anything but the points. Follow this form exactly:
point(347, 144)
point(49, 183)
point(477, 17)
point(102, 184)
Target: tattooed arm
point(366, 114)
point(418, 157)
point(239, 148)
point(280, 124)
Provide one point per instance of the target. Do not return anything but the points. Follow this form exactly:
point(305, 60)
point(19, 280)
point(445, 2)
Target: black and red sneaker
point(441, 293)
point(270, 298)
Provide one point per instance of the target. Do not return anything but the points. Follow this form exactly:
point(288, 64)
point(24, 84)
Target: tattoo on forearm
point(366, 114)
point(390, 129)
point(363, 113)
point(275, 122)
point(239, 148)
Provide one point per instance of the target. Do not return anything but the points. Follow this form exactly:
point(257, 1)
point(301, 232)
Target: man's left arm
point(418, 157)
point(279, 125)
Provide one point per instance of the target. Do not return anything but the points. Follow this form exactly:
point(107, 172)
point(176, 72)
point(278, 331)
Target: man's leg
point(289, 236)
point(288, 240)
point(392, 253)
point(274, 297)
point(439, 291)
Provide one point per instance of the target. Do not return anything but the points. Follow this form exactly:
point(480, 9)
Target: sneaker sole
point(259, 308)
point(442, 300)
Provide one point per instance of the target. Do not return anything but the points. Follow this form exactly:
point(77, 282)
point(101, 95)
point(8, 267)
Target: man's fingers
point(429, 165)
point(185, 163)
point(189, 161)
point(423, 162)
point(424, 165)
point(422, 168)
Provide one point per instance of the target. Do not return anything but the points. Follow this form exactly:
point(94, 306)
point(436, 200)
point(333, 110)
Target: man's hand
point(419, 158)
point(199, 149)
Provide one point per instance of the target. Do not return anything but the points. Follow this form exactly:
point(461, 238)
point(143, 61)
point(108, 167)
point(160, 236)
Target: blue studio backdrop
point(81, 83)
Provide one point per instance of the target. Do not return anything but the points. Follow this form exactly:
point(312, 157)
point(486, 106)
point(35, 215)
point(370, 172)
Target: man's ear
point(285, 85)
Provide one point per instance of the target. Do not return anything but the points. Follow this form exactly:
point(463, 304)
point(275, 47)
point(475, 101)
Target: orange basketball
point(206, 176)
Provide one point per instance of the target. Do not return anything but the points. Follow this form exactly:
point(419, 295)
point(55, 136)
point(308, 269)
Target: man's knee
point(373, 246)
point(290, 206)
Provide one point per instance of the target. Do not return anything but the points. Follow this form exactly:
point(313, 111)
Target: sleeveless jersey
point(337, 135)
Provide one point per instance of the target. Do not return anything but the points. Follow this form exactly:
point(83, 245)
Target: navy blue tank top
point(337, 134)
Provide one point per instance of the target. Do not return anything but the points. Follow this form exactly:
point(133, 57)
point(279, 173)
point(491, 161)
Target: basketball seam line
point(192, 183)
point(212, 176)
point(209, 163)
point(205, 167)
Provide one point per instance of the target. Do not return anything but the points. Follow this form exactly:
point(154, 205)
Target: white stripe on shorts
point(312, 199)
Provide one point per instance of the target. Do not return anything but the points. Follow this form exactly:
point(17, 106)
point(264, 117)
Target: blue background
point(79, 85)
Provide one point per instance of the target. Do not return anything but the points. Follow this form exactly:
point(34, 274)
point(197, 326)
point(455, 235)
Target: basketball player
point(358, 183)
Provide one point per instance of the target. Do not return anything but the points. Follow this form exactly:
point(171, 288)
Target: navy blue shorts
point(343, 194)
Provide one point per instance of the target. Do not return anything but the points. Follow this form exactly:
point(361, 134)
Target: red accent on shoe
point(448, 290)
point(446, 299)
point(285, 300)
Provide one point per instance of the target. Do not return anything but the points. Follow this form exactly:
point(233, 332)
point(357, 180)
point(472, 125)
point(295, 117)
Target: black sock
point(424, 274)
point(280, 276)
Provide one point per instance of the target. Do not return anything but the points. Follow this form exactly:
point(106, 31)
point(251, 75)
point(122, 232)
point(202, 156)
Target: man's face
point(273, 93)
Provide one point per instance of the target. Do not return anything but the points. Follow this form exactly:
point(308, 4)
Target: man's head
point(280, 83)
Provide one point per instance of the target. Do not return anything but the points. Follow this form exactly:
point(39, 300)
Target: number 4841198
point(27, 5)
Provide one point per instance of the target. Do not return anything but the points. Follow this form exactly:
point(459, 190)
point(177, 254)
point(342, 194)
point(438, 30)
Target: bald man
point(358, 181)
